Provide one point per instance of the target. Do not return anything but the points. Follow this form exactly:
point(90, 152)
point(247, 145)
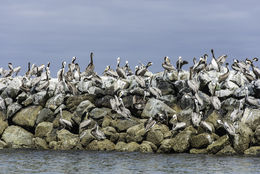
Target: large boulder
point(201, 140)
point(154, 106)
point(198, 151)
point(83, 107)
point(123, 124)
point(146, 147)
point(104, 145)
point(17, 137)
point(227, 150)
point(3, 126)
point(181, 142)
point(218, 144)
point(55, 101)
point(99, 113)
point(255, 150)
point(86, 137)
point(111, 134)
point(67, 139)
point(135, 133)
point(120, 145)
point(13, 109)
point(132, 147)
point(45, 115)
point(72, 102)
point(257, 135)
point(166, 146)
point(43, 129)
point(27, 116)
point(40, 143)
point(251, 117)
point(243, 138)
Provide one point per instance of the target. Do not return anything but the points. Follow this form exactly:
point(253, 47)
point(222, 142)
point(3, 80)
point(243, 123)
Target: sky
point(138, 31)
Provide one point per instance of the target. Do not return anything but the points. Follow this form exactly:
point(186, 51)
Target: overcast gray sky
point(55, 30)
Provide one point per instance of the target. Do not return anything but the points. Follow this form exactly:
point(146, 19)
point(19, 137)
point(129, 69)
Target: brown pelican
point(90, 68)
point(121, 73)
point(256, 70)
point(178, 126)
point(45, 84)
point(214, 64)
point(154, 90)
point(99, 135)
point(72, 88)
point(109, 72)
point(201, 65)
point(140, 81)
point(69, 74)
point(149, 124)
point(228, 127)
point(77, 72)
point(128, 69)
point(224, 76)
point(168, 67)
point(28, 72)
point(180, 63)
point(72, 66)
point(84, 124)
point(193, 83)
point(221, 59)
point(141, 71)
point(63, 122)
point(60, 73)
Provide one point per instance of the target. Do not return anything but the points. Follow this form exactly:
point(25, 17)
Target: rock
point(227, 150)
point(103, 145)
point(54, 145)
point(185, 116)
point(255, 150)
point(242, 138)
point(120, 146)
point(132, 147)
point(45, 115)
point(40, 98)
point(154, 106)
point(135, 133)
point(251, 117)
point(55, 102)
point(219, 144)
point(155, 136)
point(73, 102)
point(43, 129)
point(123, 124)
point(21, 97)
point(166, 146)
point(17, 137)
point(3, 144)
point(28, 101)
point(213, 117)
point(8, 101)
point(103, 101)
point(40, 143)
point(186, 101)
point(181, 142)
point(84, 106)
point(170, 100)
point(164, 86)
point(86, 137)
point(106, 121)
point(201, 140)
point(145, 147)
point(12, 92)
point(111, 134)
point(98, 92)
point(3, 126)
point(122, 137)
point(99, 113)
point(27, 116)
point(198, 151)
point(13, 109)
point(51, 136)
point(67, 139)
point(257, 135)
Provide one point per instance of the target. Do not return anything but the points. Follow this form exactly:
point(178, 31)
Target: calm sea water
point(56, 162)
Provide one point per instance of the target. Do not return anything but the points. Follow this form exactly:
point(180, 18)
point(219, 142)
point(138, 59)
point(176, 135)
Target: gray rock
point(219, 144)
point(55, 101)
point(67, 139)
point(73, 102)
point(28, 101)
point(123, 124)
point(43, 129)
point(166, 146)
point(99, 113)
point(45, 115)
point(13, 109)
point(154, 106)
point(135, 133)
point(255, 151)
point(84, 107)
point(181, 142)
point(8, 101)
point(86, 137)
point(21, 97)
point(185, 116)
point(17, 137)
point(201, 140)
point(103, 145)
point(40, 143)
point(251, 117)
point(27, 116)
point(186, 101)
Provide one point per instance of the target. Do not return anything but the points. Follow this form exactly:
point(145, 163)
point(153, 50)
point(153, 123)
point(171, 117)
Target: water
point(55, 162)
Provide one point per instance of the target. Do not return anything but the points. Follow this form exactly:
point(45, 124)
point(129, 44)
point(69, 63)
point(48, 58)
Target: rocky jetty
point(208, 109)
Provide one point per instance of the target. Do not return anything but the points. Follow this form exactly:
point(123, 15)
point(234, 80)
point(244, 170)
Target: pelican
point(99, 135)
point(63, 122)
point(128, 69)
point(84, 124)
point(168, 67)
point(149, 124)
point(180, 63)
point(196, 118)
point(121, 73)
point(201, 65)
point(178, 126)
point(141, 71)
point(60, 73)
point(109, 72)
point(214, 64)
point(73, 66)
point(77, 72)
point(228, 127)
point(90, 68)
point(140, 81)
point(256, 70)
point(221, 59)
point(69, 75)
point(154, 90)
point(224, 76)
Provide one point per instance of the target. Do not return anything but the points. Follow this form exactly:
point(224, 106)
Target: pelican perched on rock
point(76, 73)
point(142, 70)
point(109, 72)
point(99, 135)
point(180, 63)
point(256, 70)
point(60, 73)
point(90, 68)
point(224, 76)
point(72, 65)
point(208, 127)
point(120, 71)
point(149, 124)
point(65, 123)
point(154, 90)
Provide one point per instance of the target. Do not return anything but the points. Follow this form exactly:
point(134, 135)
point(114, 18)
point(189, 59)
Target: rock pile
point(209, 109)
